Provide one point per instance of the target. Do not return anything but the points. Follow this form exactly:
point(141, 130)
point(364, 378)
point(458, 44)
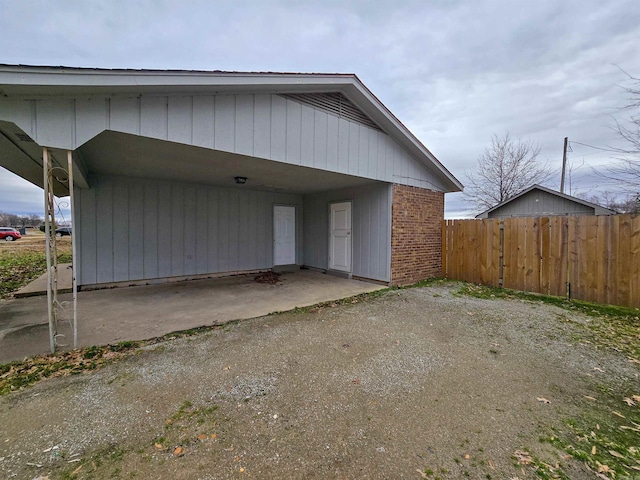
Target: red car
point(9, 234)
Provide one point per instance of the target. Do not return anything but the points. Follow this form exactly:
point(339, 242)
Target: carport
point(185, 175)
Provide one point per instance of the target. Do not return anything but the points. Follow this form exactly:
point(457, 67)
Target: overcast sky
point(454, 72)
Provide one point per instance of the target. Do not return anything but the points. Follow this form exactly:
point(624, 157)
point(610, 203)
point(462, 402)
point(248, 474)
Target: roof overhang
point(20, 154)
point(112, 153)
point(34, 82)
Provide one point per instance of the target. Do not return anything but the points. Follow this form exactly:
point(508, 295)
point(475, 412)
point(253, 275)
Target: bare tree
point(626, 172)
point(505, 168)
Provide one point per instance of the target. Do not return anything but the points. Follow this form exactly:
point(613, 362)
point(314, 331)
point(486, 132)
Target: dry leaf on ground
point(524, 458)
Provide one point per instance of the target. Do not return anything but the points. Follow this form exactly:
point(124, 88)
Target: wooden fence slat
point(613, 268)
point(591, 259)
point(624, 257)
point(601, 256)
point(634, 262)
point(545, 255)
point(506, 254)
point(496, 252)
point(443, 248)
point(556, 228)
point(522, 253)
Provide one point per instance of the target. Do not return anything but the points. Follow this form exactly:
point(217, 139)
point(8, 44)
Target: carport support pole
point(47, 233)
point(73, 251)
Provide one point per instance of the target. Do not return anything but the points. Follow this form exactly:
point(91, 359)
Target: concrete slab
point(39, 285)
point(138, 313)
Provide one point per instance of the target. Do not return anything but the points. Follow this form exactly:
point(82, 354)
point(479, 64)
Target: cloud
point(455, 72)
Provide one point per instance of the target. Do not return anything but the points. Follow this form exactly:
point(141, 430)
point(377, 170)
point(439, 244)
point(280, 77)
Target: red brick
point(416, 226)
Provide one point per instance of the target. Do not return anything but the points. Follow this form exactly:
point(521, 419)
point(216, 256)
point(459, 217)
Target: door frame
point(295, 232)
point(342, 272)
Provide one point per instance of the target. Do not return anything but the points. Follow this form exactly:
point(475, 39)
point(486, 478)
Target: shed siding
point(371, 229)
point(266, 126)
point(537, 203)
point(135, 229)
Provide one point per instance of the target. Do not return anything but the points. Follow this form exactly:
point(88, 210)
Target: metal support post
point(73, 251)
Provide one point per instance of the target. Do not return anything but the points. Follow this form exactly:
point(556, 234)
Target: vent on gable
point(24, 137)
point(334, 103)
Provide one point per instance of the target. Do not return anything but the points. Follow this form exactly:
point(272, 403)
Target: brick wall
point(416, 234)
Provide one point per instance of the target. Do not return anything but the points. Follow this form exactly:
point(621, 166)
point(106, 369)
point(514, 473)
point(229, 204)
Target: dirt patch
point(268, 277)
point(416, 383)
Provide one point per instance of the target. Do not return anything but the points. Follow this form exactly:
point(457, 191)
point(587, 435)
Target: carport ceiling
point(114, 153)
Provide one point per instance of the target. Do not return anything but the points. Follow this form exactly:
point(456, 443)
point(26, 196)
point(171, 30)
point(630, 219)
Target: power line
point(597, 148)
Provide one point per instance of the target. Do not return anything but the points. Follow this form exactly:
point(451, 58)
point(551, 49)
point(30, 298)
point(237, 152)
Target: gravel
point(414, 379)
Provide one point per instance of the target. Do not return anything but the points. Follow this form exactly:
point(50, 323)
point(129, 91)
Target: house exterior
point(537, 201)
point(188, 174)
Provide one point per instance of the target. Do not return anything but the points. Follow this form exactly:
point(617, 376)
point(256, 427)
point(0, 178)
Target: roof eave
point(23, 80)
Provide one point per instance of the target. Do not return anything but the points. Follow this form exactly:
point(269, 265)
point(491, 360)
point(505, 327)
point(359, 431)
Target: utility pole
point(564, 163)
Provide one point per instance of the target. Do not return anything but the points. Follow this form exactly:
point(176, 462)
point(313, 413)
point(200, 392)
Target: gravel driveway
point(415, 383)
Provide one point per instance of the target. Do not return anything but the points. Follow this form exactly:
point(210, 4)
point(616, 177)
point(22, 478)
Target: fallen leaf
point(158, 446)
point(616, 454)
point(597, 369)
point(213, 436)
point(602, 468)
point(524, 458)
point(356, 381)
point(633, 360)
point(241, 469)
point(491, 465)
point(618, 414)
point(178, 452)
point(588, 397)
point(424, 475)
point(636, 398)
point(467, 456)
point(75, 472)
point(625, 427)
point(203, 436)
point(593, 450)
point(597, 426)
point(543, 400)
point(628, 401)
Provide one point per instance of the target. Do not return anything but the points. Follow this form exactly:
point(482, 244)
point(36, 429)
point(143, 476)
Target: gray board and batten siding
point(537, 203)
point(370, 226)
point(134, 229)
point(266, 126)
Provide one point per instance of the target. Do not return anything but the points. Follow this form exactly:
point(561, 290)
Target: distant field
point(25, 259)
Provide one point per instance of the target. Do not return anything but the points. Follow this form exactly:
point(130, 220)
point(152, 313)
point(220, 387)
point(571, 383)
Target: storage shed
point(184, 174)
point(539, 201)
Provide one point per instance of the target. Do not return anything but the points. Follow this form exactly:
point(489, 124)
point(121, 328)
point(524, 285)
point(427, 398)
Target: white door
point(284, 235)
point(340, 239)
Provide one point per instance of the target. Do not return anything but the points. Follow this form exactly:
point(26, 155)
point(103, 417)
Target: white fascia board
point(394, 127)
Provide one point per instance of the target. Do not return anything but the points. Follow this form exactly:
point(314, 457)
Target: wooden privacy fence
point(592, 258)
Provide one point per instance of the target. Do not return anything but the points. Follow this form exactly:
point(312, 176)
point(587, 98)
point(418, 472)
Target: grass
point(605, 436)
point(609, 326)
point(25, 260)
point(17, 375)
